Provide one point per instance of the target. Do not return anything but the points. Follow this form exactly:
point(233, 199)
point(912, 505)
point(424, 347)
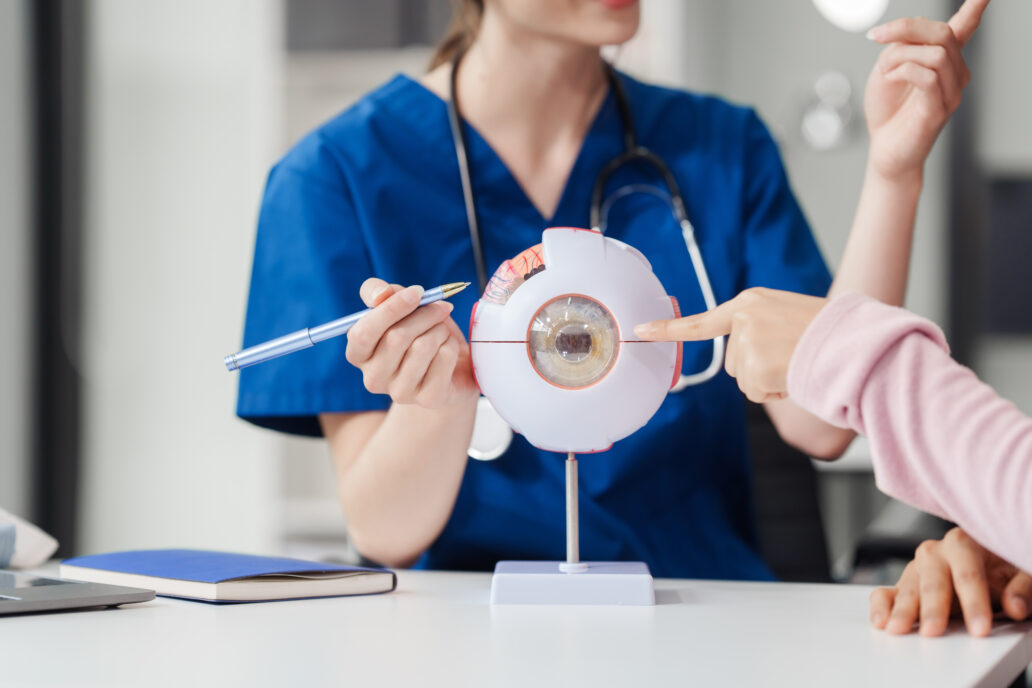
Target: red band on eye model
point(472, 323)
point(680, 346)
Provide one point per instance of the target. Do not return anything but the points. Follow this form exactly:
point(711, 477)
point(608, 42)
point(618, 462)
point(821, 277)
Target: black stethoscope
point(599, 212)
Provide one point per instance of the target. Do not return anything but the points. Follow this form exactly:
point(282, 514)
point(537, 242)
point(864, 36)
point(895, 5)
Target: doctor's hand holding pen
point(415, 355)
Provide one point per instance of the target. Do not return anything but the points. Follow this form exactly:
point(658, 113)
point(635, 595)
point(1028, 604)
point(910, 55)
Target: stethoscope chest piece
point(491, 434)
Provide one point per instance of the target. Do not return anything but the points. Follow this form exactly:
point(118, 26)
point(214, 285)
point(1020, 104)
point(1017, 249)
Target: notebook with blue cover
point(225, 577)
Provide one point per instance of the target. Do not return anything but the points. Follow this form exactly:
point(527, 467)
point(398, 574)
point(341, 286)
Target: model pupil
point(573, 343)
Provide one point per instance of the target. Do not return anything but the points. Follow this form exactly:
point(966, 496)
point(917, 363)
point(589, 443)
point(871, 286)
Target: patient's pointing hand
point(764, 327)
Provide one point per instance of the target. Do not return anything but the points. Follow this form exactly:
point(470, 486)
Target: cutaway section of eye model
point(511, 275)
point(573, 341)
point(547, 349)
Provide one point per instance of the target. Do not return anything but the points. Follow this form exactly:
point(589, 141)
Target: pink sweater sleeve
point(940, 438)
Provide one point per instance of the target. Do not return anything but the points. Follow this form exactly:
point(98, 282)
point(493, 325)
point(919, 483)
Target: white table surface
point(438, 629)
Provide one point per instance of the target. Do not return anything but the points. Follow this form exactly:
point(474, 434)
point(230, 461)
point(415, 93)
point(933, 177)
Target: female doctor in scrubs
point(376, 193)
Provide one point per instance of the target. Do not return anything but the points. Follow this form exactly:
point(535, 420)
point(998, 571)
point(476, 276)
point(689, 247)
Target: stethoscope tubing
point(633, 152)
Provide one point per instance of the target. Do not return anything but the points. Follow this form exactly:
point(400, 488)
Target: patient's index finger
point(709, 325)
point(967, 18)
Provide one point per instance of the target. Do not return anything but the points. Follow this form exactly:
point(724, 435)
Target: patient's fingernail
point(931, 627)
point(645, 330)
point(1020, 606)
point(878, 618)
point(875, 34)
point(897, 625)
point(980, 625)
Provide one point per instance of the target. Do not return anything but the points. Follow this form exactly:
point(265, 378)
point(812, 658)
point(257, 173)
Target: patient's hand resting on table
point(952, 576)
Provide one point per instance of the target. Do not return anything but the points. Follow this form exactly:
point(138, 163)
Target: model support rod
point(572, 525)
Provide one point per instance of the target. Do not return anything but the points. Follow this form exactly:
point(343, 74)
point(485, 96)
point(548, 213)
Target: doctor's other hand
point(764, 327)
point(416, 355)
point(949, 577)
point(915, 86)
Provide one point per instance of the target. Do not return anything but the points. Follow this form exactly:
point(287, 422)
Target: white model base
point(543, 582)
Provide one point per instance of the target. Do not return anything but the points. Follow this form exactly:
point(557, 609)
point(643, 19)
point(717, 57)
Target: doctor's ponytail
point(461, 32)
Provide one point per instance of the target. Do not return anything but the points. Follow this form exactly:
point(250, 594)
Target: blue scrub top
point(376, 191)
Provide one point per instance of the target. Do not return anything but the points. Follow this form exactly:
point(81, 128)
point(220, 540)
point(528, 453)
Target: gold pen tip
point(453, 288)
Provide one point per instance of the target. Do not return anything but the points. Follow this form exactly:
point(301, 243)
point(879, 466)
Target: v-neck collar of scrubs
point(492, 178)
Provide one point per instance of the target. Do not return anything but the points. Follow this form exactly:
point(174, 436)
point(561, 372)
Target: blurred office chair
point(890, 540)
point(791, 527)
point(788, 515)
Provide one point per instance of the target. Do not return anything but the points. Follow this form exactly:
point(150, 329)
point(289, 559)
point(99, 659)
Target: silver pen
point(310, 336)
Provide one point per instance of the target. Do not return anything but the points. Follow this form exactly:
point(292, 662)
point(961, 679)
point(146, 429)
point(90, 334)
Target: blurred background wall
point(182, 125)
point(15, 256)
point(186, 105)
point(1001, 313)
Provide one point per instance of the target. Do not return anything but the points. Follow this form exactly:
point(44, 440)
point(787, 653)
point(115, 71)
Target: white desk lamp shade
point(852, 15)
point(557, 355)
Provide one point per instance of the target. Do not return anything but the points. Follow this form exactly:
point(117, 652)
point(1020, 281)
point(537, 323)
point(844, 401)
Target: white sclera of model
point(559, 362)
point(580, 264)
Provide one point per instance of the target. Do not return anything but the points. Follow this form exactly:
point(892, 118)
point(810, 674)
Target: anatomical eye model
point(553, 346)
point(554, 352)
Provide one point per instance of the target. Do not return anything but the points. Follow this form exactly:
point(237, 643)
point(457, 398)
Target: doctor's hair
point(460, 33)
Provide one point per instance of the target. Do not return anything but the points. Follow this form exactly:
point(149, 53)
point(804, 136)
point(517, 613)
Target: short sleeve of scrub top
point(310, 259)
point(376, 191)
